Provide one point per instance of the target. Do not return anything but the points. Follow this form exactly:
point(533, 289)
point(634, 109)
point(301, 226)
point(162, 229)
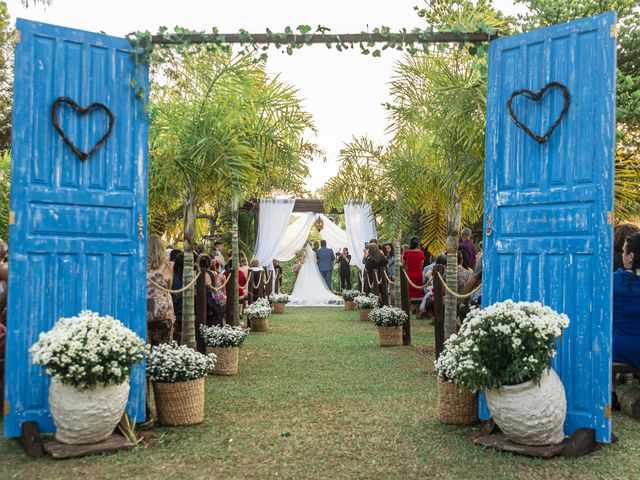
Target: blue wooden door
point(78, 230)
point(547, 235)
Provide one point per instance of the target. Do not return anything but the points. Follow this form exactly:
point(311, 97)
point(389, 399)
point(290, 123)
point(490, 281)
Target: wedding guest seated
point(626, 304)
point(428, 280)
point(620, 234)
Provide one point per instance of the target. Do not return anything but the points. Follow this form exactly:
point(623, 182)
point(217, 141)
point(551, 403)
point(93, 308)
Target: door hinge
point(12, 217)
point(614, 31)
point(7, 408)
point(607, 411)
point(611, 217)
point(17, 36)
point(140, 227)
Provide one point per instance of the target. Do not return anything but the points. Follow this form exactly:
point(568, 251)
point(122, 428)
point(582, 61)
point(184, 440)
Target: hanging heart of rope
point(536, 97)
point(82, 111)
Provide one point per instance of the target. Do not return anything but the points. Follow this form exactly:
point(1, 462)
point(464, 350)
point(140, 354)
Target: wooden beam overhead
point(355, 38)
point(301, 205)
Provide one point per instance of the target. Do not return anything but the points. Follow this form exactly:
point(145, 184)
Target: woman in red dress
point(413, 259)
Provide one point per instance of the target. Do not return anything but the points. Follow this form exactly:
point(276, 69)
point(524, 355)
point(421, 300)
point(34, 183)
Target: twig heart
point(536, 97)
point(82, 111)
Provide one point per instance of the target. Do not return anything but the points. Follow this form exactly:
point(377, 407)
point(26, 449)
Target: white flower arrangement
point(279, 298)
point(366, 301)
point(170, 363)
point(349, 295)
point(225, 336)
point(506, 343)
point(88, 350)
point(258, 309)
point(388, 316)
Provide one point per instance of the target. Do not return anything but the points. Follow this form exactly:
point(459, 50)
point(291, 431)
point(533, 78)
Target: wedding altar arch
point(279, 240)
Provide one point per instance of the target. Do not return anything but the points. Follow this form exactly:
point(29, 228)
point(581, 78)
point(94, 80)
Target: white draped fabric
point(272, 226)
point(336, 237)
point(295, 237)
point(361, 228)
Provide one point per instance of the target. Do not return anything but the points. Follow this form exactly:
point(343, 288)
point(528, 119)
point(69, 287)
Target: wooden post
point(438, 308)
point(406, 305)
point(384, 286)
point(232, 296)
point(201, 308)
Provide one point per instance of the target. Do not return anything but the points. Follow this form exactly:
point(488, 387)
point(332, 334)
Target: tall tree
point(6, 77)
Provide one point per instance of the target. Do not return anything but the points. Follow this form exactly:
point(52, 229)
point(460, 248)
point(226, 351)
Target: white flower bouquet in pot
point(507, 348)
point(224, 342)
point(89, 358)
point(279, 300)
point(349, 296)
point(257, 314)
point(389, 321)
point(366, 303)
point(177, 373)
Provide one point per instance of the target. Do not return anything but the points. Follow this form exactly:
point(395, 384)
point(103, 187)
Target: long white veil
point(310, 289)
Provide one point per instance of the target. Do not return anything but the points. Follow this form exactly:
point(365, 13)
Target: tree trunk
point(454, 215)
point(234, 253)
point(188, 313)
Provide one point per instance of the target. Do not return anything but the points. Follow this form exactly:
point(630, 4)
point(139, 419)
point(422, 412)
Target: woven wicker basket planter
point(456, 405)
point(278, 307)
point(390, 336)
point(226, 360)
point(348, 305)
point(180, 403)
point(259, 324)
point(364, 314)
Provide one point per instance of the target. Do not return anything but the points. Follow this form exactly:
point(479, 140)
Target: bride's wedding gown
point(310, 289)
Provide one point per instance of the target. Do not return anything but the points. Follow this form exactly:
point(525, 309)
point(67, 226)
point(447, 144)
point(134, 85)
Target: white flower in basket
point(349, 295)
point(258, 309)
point(388, 317)
point(279, 298)
point(171, 363)
point(225, 336)
point(366, 301)
point(89, 358)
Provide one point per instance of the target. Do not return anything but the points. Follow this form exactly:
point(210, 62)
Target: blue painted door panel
point(547, 204)
point(75, 243)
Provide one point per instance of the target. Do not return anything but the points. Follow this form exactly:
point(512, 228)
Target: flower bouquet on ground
point(389, 321)
point(224, 342)
point(366, 303)
point(89, 358)
point(507, 348)
point(177, 373)
point(348, 296)
point(257, 314)
point(279, 300)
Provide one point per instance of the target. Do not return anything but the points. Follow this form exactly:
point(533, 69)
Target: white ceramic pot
point(528, 413)
point(86, 416)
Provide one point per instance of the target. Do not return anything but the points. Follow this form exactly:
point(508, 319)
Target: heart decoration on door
point(82, 111)
point(536, 97)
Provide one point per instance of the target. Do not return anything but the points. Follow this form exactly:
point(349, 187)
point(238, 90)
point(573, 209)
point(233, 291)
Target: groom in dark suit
point(325, 262)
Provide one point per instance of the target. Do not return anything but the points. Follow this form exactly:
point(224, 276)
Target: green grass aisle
point(316, 397)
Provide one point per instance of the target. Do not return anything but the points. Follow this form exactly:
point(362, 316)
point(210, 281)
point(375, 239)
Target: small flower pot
point(259, 324)
point(278, 307)
point(226, 360)
point(86, 416)
point(180, 403)
point(456, 405)
point(348, 305)
point(529, 413)
point(390, 336)
point(364, 314)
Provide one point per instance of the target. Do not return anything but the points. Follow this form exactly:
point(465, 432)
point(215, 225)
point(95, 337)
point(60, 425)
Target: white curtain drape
point(336, 237)
point(295, 237)
point(361, 228)
point(272, 226)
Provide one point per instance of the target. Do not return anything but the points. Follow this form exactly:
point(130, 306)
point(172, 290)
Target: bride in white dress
point(310, 289)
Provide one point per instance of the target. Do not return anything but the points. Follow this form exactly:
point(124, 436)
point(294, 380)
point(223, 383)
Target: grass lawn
point(316, 397)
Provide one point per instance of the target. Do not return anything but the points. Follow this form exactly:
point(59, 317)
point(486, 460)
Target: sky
point(344, 91)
